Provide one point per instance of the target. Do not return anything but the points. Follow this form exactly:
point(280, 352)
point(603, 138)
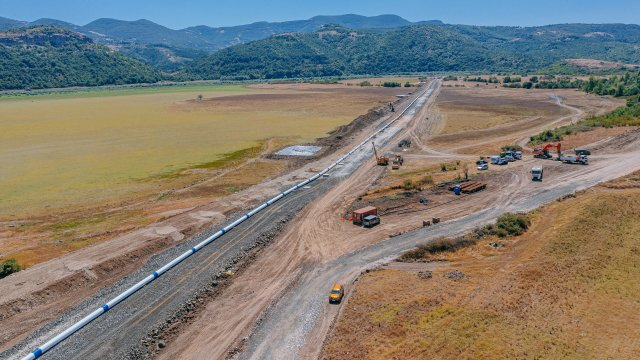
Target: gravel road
point(296, 325)
point(121, 333)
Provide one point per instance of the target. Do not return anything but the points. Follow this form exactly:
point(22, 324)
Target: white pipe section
point(115, 301)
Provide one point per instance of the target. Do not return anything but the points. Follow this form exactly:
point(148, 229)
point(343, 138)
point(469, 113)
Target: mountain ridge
point(50, 57)
point(336, 51)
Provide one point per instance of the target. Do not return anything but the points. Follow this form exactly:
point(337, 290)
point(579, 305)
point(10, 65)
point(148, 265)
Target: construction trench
point(310, 248)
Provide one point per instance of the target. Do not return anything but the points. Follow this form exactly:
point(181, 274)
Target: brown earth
point(565, 289)
point(44, 235)
point(172, 217)
point(319, 233)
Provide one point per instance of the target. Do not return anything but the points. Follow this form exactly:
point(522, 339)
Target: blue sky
point(180, 14)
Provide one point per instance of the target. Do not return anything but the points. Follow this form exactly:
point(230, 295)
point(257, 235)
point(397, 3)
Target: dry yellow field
point(79, 168)
point(63, 150)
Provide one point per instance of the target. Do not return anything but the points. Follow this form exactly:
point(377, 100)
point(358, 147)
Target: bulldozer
point(380, 160)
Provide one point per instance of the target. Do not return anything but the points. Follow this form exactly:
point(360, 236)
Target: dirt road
point(295, 272)
point(296, 325)
point(122, 331)
point(288, 277)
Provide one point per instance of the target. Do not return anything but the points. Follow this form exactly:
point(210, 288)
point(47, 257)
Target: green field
point(61, 150)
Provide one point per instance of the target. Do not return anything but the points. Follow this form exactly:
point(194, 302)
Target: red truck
point(359, 215)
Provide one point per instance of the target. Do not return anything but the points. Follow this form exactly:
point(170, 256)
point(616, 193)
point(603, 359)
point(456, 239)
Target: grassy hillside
point(422, 48)
point(49, 57)
point(338, 51)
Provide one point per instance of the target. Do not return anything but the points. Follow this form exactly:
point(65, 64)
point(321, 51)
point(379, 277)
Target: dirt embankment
point(564, 289)
point(47, 290)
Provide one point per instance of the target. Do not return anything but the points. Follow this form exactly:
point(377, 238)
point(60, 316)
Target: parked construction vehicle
point(370, 221)
point(404, 143)
point(380, 160)
point(359, 215)
point(543, 153)
point(397, 162)
point(574, 159)
point(579, 158)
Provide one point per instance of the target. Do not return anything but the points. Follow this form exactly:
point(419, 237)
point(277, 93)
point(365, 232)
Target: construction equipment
point(579, 158)
point(397, 162)
point(359, 215)
point(574, 159)
point(536, 173)
point(404, 143)
point(370, 221)
point(543, 153)
point(380, 160)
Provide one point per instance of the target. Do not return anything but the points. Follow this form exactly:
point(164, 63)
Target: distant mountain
point(336, 51)
point(53, 22)
point(6, 24)
point(49, 57)
point(168, 49)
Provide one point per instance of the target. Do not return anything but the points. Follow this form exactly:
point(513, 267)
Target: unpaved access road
point(120, 333)
point(290, 279)
point(297, 324)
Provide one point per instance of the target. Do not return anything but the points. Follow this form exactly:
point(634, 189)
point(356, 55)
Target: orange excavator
point(380, 160)
point(543, 153)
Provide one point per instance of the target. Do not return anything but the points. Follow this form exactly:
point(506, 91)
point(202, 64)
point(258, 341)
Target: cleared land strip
point(297, 324)
point(125, 330)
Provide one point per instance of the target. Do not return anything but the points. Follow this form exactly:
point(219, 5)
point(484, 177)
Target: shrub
point(364, 83)
point(439, 245)
point(391, 84)
point(408, 185)
point(407, 84)
point(512, 224)
point(9, 267)
point(513, 147)
point(508, 224)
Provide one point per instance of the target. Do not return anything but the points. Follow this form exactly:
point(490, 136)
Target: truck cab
point(536, 173)
point(370, 221)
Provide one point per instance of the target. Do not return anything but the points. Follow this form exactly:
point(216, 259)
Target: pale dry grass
point(566, 289)
point(77, 169)
point(60, 152)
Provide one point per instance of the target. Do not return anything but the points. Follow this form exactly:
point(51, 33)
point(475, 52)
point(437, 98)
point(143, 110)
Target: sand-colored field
point(473, 109)
point(57, 152)
point(67, 160)
point(566, 289)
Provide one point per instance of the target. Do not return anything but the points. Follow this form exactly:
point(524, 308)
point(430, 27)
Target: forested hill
point(336, 51)
point(49, 57)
